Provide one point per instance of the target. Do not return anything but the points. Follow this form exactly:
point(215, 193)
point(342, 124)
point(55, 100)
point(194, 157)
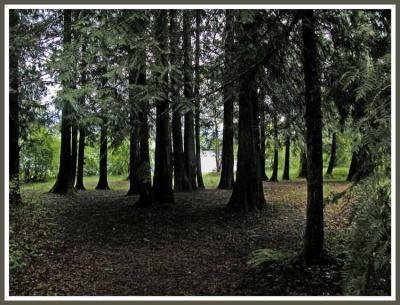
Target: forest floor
point(97, 243)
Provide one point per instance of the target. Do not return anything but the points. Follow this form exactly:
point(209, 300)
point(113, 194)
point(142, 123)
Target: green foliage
point(368, 266)
point(17, 256)
point(267, 256)
point(37, 155)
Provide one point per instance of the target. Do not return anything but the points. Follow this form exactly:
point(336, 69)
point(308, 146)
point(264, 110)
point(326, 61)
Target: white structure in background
point(208, 164)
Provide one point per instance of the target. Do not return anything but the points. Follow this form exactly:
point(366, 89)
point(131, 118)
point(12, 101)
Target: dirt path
point(107, 247)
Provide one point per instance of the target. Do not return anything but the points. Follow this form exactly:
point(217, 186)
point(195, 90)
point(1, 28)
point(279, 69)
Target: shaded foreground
point(97, 243)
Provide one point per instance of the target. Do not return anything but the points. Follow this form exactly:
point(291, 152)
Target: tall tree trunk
point(248, 190)
point(82, 131)
point(15, 196)
point(314, 232)
point(227, 166)
point(286, 168)
point(199, 174)
point(189, 147)
point(178, 156)
point(74, 151)
point(332, 160)
point(133, 135)
point(162, 183)
point(274, 176)
point(63, 183)
point(81, 159)
point(144, 169)
point(264, 176)
point(103, 182)
point(303, 164)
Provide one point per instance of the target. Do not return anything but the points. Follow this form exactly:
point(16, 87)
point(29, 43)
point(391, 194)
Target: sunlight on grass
point(211, 180)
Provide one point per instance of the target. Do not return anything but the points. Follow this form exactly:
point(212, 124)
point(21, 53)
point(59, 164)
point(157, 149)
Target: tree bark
point(360, 166)
point(264, 176)
point(15, 196)
point(248, 190)
point(286, 168)
point(274, 176)
point(303, 165)
point(82, 131)
point(63, 183)
point(133, 135)
point(199, 174)
point(314, 233)
point(189, 145)
point(103, 182)
point(227, 164)
point(332, 160)
point(81, 160)
point(178, 156)
point(74, 151)
point(162, 183)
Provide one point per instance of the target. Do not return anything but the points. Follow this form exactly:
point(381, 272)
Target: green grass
point(115, 183)
point(211, 180)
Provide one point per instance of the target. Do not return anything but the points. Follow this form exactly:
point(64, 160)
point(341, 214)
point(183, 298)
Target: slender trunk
point(162, 183)
point(227, 166)
point(286, 168)
point(103, 182)
point(178, 156)
point(332, 160)
point(74, 153)
point(15, 196)
point(314, 232)
point(133, 135)
point(189, 146)
point(274, 176)
point(199, 174)
point(81, 159)
point(216, 137)
point(248, 190)
point(303, 165)
point(63, 183)
point(144, 168)
point(82, 131)
point(264, 176)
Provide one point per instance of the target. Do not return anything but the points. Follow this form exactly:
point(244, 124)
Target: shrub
point(368, 266)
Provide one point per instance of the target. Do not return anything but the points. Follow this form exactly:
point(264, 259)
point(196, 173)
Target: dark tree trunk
point(248, 190)
point(274, 176)
point(64, 178)
point(82, 132)
point(332, 160)
point(133, 135)
point(178, 156)
point(303, 165)
point(74, 152)
point(199, 174)
point(144, 168)
point(103, 182)
point(162, 184)
point(360, 166)
point(227, 164)
point(81, 160)
point(264, 176)
point(285, 175)
point(15, 196)
point(314, 232)
point(353, 166)
point(189, 145)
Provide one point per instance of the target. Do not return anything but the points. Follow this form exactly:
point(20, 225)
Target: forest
point(199, 152)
